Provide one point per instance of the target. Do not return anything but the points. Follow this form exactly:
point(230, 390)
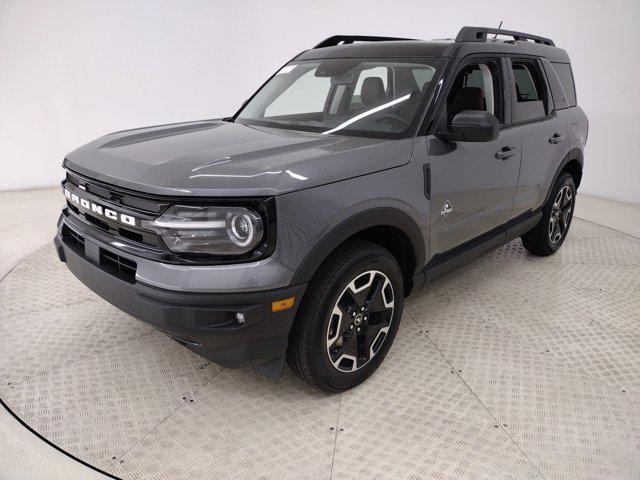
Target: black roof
point(469, 40)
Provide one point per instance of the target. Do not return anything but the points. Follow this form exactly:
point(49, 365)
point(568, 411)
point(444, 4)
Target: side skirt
point(468, 251)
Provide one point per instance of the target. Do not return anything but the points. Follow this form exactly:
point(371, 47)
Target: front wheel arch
point(371, 225)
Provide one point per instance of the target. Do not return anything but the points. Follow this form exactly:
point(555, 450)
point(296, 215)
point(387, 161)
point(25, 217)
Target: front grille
point(118, 196)
point(119, 266)
point(112, 263)
point(119, 203)
point(73, 239)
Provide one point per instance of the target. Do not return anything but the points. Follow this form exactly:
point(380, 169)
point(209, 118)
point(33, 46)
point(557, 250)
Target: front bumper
point(203, 322)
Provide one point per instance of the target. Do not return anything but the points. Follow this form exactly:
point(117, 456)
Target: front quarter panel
point(307, 218)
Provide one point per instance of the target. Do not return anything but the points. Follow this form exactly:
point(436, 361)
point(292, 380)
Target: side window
point(557, 91)
point(530, 91)
point(563, 70)
point(476, 87)
point(306, 95)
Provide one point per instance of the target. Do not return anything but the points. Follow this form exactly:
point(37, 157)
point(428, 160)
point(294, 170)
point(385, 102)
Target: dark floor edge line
point(335, 438)
point(173, 412)
point(454, 370)
point(608, 227)
point(51, 444)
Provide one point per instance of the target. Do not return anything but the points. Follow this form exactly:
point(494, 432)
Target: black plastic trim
point(376, 217)
point(427, 180)
point(336, 40)
point(479, 34)
point(202, 322)
point(472, 249)
point(575, 154)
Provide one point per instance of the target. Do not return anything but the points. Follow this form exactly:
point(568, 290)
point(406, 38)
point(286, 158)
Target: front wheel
point(547, 237)
point(348, 318)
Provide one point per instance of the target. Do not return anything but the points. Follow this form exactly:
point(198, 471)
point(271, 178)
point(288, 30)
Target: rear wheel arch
point(571, 163)
point(388, 227)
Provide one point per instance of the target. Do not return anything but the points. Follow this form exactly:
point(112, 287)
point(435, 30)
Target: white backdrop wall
point(73, 70)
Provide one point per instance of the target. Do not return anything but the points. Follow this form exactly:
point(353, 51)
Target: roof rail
point(479, 34)
point(346, 39)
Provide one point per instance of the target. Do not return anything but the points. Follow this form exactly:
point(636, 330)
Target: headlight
point(211, 230)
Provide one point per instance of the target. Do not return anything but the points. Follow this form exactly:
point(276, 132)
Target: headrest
point(372, 93)
point(468, 98)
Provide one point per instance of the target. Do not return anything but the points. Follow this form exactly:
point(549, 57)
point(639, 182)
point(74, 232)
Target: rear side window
point(563, 70)
point(530, 91)
point(557, 91)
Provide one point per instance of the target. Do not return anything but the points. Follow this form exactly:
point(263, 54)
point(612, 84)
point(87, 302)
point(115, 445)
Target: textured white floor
point(511, 367)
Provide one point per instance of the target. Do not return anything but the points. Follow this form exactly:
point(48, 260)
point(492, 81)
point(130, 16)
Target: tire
point(331, 323)
point(549, 235)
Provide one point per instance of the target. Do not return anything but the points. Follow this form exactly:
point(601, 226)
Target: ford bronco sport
point(359, 171)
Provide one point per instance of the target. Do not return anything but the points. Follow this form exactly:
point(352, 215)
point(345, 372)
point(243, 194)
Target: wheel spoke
point(557, 203)
point(363, 346)
point(567, 196)
point(375, 300)
point(564, 215)
point(557, 233)
point(359, 288)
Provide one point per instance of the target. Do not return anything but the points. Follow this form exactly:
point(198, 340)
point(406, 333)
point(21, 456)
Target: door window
point(476, 87)
point(530, 91)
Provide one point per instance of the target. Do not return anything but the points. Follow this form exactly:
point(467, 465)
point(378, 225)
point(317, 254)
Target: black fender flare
point(375, 217)
point(574, 154)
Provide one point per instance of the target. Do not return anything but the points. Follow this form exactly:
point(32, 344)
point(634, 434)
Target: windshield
point(351, 96)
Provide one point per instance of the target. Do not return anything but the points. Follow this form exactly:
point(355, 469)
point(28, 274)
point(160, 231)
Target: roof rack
point(346, 39)
point(479, 34)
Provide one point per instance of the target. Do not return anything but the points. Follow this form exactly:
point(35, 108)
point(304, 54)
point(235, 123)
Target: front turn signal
point(280, 305)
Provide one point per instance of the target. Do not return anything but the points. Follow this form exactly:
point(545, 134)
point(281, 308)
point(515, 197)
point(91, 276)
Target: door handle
point(506, 152)
point(556, 138)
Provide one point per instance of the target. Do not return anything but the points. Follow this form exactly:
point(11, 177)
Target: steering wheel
point(394, 118)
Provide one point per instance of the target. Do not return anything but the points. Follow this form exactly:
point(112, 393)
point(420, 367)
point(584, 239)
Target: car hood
point(217, 158)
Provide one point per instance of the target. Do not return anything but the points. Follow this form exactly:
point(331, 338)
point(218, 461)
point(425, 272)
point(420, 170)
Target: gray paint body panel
point(216, 158)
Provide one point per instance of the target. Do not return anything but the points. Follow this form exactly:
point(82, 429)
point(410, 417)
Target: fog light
point(240, 317)
point(285, 304)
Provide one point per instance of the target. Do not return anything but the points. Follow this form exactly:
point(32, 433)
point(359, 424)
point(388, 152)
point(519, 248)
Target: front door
point(472, 183)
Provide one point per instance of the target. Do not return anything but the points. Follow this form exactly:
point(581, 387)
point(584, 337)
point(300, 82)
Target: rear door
point(473, 183)
point(545, 139)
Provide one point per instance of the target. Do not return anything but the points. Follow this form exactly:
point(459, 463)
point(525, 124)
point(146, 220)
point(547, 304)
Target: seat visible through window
point(476, 87)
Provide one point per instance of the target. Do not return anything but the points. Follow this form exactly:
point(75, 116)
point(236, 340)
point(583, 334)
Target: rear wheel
point(349, 317)
point(547, 237)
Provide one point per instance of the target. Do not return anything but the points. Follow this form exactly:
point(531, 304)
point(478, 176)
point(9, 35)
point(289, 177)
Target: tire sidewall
point(322, 366)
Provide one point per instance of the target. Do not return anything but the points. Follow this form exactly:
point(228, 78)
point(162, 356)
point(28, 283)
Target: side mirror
point(472, 126)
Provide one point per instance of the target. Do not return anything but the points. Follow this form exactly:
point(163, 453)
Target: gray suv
point(363, 168)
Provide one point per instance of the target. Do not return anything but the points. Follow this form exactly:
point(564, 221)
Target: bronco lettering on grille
point(99, 209)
